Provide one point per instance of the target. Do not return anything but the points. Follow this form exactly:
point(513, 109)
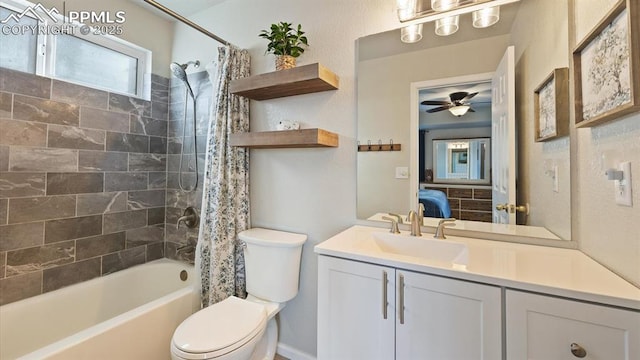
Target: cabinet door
point(354, 319)
point(542, 327)
point(441, 318)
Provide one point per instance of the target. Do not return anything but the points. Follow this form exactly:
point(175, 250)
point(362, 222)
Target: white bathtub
point(130, 314)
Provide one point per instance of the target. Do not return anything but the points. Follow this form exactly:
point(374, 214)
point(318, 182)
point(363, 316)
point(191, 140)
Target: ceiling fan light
point(447, 26)
point(486, 17)
point(459, 110)
point(443, 5)
point(411, 34)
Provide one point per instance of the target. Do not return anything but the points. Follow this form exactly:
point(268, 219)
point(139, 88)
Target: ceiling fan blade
point(438, 109)
point(471, 110)
point(434, 102)
point(458, 96)
point(469, 96)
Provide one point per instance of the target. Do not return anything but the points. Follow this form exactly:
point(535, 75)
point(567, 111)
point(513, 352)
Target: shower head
point(179, 72)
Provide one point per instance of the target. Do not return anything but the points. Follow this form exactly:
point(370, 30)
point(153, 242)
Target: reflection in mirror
point(462, 161)
point(386, 70)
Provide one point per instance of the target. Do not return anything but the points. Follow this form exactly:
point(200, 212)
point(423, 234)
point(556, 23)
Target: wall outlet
point(402, 172)
point(623, 187)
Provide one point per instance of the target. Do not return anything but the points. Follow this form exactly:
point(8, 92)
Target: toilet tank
point(272, 263)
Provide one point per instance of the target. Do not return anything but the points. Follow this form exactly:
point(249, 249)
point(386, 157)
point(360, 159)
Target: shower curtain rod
point(186, 21)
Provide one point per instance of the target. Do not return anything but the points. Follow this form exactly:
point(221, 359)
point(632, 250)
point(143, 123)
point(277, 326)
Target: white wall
point(314, 190)
point(607, 232)
point(537, 54)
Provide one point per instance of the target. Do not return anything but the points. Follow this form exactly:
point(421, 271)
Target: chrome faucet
point(440, 229)
point(421, 213)
point(415, 223)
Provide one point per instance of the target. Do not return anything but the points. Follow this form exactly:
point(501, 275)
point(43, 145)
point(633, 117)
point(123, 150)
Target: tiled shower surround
point(84, 182)
point(181, 242)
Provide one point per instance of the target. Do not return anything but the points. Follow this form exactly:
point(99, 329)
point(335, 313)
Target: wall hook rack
point(379, 146)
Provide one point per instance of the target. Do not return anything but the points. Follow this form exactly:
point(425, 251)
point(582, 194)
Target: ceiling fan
point(458, 105)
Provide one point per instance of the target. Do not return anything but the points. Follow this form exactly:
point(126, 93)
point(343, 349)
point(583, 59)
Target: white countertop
point(555, 271)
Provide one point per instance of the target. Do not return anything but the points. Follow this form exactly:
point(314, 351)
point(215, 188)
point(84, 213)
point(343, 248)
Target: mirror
point(387, 68)
point(461, 161)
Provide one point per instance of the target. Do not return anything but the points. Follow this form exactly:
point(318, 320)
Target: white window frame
point(46, 50)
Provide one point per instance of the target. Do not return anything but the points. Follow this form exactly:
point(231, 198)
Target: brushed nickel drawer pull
point(401, 297)
point(385, 280)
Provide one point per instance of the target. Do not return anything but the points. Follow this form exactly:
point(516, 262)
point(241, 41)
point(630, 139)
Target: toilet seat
point(219, 329)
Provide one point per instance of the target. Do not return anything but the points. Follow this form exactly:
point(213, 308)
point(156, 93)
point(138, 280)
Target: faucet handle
point(394, 224)
point(440, 229)
point(444, 222)
point(398, 217)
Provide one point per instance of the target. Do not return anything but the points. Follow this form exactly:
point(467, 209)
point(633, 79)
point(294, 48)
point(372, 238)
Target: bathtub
point(130, 314)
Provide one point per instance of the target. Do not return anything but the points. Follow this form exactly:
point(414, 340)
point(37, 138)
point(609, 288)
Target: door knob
point(501, 207)
point(520, 208)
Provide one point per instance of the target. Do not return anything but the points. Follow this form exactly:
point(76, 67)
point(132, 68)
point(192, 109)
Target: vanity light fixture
point(445, 13)
point(486, 17)
point(459, 110)
point(411, 34)
point(443, 5)
point(407, 10)
point(447, 26)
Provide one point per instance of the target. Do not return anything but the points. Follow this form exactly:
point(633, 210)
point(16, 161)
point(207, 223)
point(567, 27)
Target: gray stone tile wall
point(82, 182)
point(180, 243)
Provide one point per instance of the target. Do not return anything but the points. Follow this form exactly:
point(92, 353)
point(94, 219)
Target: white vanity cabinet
point(369, 311)
point(356, 305)
point(544, 327)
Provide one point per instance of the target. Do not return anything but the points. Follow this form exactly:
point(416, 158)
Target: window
point(99, 61)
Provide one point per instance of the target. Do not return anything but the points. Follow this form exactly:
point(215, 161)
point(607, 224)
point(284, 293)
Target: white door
point(503, 136)
point(356, 303)
point(439, 318)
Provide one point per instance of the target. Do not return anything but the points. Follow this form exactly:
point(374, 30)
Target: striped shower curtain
point(225, 199)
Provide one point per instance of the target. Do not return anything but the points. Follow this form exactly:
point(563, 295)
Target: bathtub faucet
point(189, 217)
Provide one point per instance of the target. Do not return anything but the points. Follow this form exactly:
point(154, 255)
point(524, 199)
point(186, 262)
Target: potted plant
point(286, 43)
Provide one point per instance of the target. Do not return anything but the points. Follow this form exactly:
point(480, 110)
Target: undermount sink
point(422, 247)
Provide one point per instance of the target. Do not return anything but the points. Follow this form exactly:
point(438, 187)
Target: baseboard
point(293, 354)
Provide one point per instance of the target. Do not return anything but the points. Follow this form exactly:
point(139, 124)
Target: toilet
point(246, 329)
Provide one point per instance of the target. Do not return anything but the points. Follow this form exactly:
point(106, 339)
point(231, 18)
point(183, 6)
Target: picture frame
point(606, 67)
point(551, 106)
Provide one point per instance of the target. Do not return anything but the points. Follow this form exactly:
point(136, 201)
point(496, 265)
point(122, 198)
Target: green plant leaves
point(284, 40)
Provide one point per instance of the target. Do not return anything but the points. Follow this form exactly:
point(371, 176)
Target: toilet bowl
point(246, 329)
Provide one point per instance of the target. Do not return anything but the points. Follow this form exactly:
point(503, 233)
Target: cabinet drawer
point(541, 328)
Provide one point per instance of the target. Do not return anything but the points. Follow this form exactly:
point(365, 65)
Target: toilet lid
point(220, 328)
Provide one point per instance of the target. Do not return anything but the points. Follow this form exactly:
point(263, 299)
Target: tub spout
point(189, 217)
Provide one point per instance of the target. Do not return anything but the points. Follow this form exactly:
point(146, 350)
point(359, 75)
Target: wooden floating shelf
point(305, 138)
point(299, 80)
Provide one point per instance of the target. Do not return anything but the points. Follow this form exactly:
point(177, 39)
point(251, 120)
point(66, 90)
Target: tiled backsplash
point(83, 179)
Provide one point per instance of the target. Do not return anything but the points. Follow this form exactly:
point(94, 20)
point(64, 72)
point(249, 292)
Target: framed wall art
point(607, 67)
point(551, 102)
